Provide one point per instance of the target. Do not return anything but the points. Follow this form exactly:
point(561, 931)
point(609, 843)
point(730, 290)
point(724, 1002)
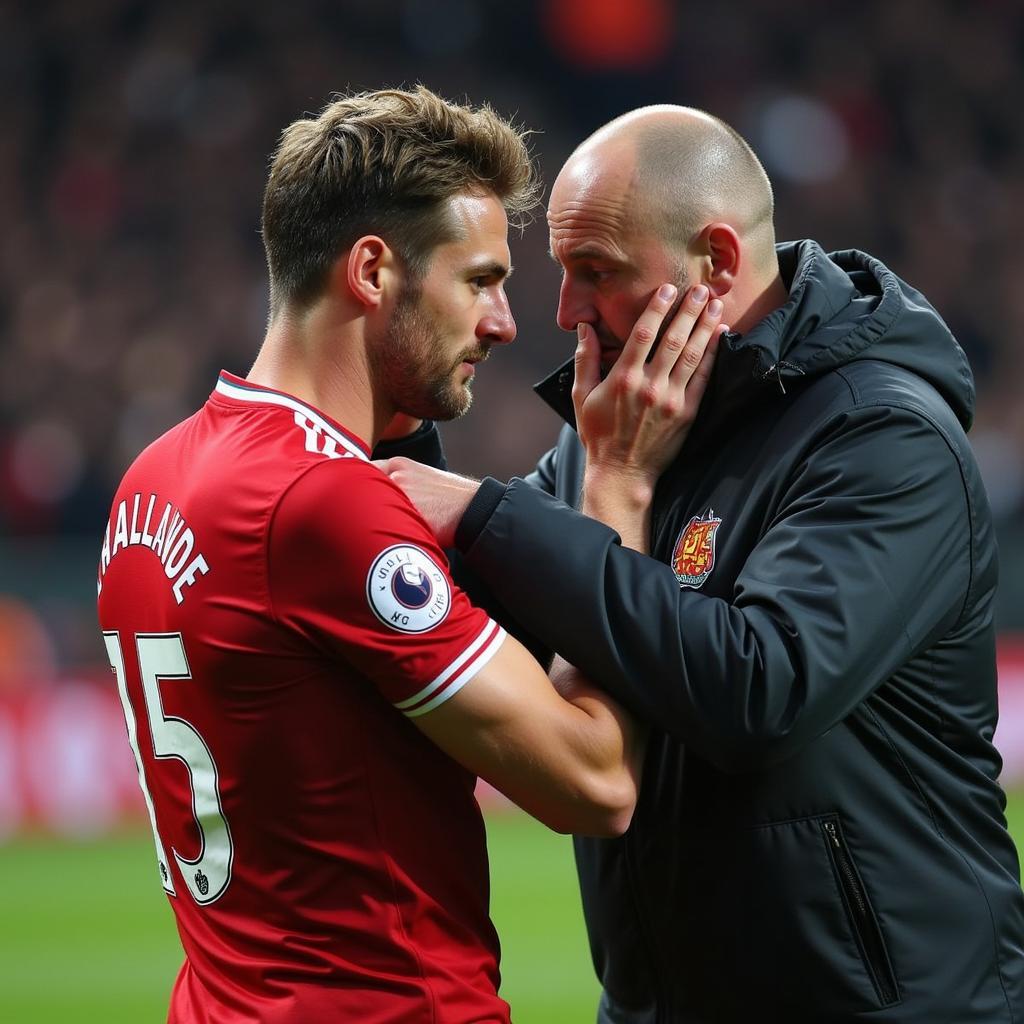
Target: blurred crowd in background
point(136, 141)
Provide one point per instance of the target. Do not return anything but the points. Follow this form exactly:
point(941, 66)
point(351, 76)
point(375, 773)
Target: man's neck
point(764, 298)
point(324, 365)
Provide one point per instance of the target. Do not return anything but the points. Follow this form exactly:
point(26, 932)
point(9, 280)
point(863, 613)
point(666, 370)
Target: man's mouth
point(470, 359)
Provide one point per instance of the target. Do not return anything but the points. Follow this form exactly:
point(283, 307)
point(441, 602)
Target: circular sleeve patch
point(407, 590)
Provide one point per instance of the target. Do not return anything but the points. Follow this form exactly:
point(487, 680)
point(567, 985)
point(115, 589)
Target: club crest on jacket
point(693, 557)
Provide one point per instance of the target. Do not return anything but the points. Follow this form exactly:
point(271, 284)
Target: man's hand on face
point(442, 498)
point(634, 422)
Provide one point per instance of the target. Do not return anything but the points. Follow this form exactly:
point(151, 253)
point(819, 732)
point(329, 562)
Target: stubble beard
point(409, 365)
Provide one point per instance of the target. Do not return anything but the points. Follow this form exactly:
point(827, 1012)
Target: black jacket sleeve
point(479, 590)
point(490, 493)
point(866, 561)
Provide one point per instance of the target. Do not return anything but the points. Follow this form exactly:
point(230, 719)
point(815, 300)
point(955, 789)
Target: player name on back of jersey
point(172, 541)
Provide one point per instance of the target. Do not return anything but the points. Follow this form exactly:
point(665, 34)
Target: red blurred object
point(610, 35)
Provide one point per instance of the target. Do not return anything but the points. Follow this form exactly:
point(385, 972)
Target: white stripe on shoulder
point(260, 396)
point(458, 673)
point(454, 667)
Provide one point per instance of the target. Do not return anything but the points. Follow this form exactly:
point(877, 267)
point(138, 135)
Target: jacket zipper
point(864, 922)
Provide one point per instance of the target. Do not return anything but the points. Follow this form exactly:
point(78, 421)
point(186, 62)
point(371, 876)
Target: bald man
point(793, 590)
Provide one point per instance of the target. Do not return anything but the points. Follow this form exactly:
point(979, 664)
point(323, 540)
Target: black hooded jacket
point(820, 835)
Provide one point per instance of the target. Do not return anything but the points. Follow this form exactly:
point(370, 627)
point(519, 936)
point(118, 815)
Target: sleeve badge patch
point(407, 590)
point(693, 557)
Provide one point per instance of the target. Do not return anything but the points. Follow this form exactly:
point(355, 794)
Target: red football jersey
point(275, 611)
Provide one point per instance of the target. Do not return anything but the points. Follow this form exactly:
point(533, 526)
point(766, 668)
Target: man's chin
point(450, 405)
point(463, 399)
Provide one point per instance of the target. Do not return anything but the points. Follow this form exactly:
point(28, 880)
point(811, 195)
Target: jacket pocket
point(863, 922)
point(767, 925)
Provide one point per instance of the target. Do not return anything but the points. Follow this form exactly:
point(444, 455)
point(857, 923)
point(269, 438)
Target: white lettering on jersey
point(120, 530)
point(177, 555)
point(407, 590)
point(147, 537)
point(134, 536)
point(172, 533)
point(172, 544)
point(316, 440)
point(105, 552)
point(161, 531)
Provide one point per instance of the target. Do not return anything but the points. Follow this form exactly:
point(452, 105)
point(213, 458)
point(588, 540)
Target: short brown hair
point(383, 163)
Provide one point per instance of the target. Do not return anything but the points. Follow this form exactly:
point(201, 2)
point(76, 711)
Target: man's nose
point(573, 309)
point(498, 326)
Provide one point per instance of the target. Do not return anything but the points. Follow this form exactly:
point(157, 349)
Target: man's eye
point(479, 282)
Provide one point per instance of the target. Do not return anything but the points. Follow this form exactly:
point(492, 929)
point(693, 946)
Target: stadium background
point(135, 143)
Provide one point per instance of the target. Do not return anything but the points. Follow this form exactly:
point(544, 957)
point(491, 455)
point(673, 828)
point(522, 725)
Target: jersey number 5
point(161, 657)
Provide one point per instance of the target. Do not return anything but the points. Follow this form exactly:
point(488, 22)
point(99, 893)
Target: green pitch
point(86, 933)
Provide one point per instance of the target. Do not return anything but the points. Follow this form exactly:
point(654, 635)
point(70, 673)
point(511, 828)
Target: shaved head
point(681, 170)
point(662, 195)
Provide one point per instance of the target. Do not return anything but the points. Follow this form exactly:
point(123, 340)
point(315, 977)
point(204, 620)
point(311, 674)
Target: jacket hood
point(843, 306)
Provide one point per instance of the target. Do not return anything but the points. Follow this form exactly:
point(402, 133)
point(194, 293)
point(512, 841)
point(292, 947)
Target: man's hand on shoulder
point(441, 498)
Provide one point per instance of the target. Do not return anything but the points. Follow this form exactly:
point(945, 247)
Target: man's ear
point(370, 270)
point(721, 255)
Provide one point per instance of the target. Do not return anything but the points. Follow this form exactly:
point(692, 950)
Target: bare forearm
point(612, 738)
point(571, 762)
